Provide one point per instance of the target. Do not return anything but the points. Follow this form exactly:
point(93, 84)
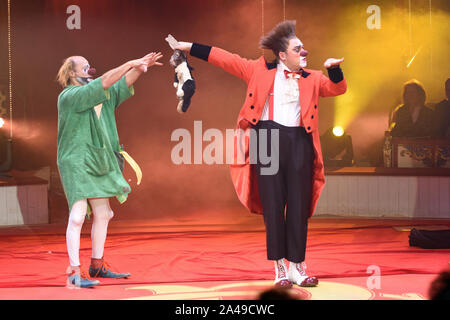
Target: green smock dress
point(86, 161)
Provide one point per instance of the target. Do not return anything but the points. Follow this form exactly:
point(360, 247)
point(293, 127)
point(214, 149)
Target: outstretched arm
point(136, 67)
point(231, 63)
point(335, 84)
point(95, 92)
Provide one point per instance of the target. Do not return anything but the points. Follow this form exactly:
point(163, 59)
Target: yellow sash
point(134, 165)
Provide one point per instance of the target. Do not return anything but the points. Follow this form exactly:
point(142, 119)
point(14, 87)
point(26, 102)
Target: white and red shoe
point(281, 275)
point(297, 275)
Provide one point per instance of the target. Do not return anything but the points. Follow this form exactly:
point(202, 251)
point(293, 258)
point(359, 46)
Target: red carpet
point(201, 249)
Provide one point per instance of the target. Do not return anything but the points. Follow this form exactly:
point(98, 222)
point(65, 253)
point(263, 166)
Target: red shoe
point(298, 276)
point(309, 282)
point(283, 283)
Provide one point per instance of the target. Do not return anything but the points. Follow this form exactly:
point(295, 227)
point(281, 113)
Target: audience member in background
point(442, 114)
point(412, 119)
point(279, 293)
point(440, 287)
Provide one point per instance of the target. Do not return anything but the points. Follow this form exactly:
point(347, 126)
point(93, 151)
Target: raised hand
point(153, 59)
point(148, 60)
point(332, 62)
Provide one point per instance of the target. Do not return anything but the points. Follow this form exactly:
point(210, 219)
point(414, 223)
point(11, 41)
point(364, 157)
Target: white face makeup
point(86, 68)
point(81, 71)
point(295, 55)
point(303, 54)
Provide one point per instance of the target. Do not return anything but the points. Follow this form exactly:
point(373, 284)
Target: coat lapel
point(267, 82)
point(306, 89)
point(269, 78)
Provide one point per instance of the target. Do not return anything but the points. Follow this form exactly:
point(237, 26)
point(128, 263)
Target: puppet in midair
point(184, 82)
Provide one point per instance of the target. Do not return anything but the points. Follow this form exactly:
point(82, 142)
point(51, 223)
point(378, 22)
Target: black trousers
point(285, 195)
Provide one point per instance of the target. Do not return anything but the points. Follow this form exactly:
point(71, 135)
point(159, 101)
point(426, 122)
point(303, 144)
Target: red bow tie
point(289, 74)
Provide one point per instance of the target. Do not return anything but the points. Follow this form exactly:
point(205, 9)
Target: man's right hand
point(185, 46)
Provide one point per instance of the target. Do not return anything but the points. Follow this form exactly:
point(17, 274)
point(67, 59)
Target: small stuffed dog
point(184, 82)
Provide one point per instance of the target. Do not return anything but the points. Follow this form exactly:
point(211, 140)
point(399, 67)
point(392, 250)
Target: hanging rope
point(10, 73)
point(284, 10)
point(431, 42)
point(262, 23)
point(410, 28)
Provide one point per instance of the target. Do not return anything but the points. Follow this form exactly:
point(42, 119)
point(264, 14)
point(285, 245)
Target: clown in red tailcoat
point(297, 122)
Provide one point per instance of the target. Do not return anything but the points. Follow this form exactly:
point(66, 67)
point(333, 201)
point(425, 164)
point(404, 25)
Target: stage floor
point(221, 255)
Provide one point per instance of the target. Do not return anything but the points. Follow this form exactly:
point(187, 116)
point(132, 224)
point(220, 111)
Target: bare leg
point(75, 223)
point(102, 214)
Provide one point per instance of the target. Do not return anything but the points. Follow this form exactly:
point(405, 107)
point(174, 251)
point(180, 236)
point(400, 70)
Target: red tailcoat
point(259, 76)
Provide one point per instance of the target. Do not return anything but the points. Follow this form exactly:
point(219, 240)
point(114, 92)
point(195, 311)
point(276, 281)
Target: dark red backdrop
point(114, 31)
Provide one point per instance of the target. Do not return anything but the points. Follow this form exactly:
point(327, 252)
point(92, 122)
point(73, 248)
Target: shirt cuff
point(200, 51)
point(335, 74)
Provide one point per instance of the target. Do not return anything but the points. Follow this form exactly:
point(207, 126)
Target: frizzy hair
point(63, 77)
point(278, 38)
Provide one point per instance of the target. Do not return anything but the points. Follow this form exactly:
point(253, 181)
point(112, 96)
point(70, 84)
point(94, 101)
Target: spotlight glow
point(2, 122)
point(413, 57)
point(395, 56)
point(338, 131)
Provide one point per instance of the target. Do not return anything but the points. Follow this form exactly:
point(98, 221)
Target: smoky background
point(115, 31)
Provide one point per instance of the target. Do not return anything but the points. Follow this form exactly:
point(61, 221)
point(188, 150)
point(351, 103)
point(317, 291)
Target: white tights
point(102, 213)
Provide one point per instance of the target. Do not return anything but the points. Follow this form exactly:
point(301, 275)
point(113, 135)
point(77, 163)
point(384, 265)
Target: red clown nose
point(92, 71)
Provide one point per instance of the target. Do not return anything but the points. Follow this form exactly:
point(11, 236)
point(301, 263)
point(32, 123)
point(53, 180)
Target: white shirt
point(286, 102)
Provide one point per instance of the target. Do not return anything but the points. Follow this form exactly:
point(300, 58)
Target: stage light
point(337, 148)
point(338, 131)
point(2, 122)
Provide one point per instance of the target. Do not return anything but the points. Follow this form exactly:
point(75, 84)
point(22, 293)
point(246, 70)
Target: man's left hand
point(331, 62)
point(149, 60)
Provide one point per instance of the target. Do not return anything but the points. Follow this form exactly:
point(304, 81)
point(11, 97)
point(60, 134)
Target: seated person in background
point(412, 119)
point(442, 115)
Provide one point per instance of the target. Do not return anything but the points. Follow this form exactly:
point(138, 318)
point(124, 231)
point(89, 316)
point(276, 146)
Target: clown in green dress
point(86, 143)
point(90, 158)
